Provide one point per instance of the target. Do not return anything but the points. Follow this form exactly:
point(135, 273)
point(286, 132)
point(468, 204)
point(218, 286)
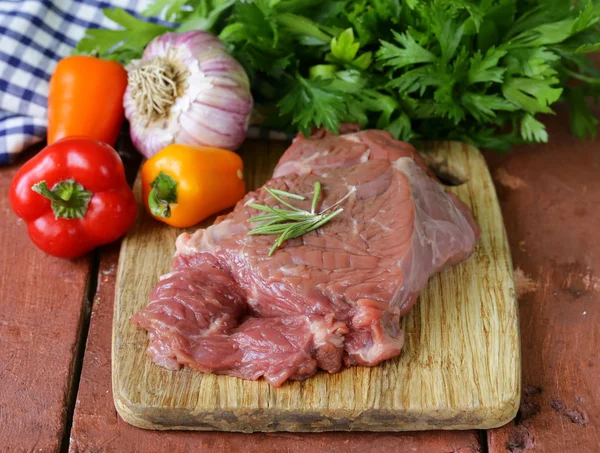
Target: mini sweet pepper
point(74, 197)
point(86, 99)
point(183, 185)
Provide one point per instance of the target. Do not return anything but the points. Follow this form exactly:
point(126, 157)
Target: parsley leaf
point(532, 129)
point(172, 9)
point(313, 103)
point(344, 50)
point(532, 95)
point(124, 44)
point(409, 54)
point(485, 68)
point(483, 107)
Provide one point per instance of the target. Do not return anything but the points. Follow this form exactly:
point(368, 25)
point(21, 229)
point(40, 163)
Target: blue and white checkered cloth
point(34, 36)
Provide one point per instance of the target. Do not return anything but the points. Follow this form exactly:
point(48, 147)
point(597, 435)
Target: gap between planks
point(77, 362)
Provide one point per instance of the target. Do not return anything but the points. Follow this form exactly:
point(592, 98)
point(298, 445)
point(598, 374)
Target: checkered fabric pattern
point(34, 36)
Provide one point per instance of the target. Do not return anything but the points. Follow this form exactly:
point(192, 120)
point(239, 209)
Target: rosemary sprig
point(293, 222)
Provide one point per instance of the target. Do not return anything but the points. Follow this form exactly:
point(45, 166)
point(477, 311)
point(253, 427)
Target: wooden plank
point(42, 306)
point(550, 196)
point(98, 428)
point(459, 368)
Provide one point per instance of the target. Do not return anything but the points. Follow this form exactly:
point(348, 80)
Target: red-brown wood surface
point(42, 306)
point(550, 196)
point(98, 428)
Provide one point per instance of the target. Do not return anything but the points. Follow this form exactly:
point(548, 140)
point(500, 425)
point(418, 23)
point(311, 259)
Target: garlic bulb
point(187, 89)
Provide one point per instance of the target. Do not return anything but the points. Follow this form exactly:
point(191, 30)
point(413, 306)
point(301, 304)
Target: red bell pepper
point(73, 195)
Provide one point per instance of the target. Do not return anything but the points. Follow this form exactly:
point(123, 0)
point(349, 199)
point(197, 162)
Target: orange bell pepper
point(183, 185)
point(86, 99)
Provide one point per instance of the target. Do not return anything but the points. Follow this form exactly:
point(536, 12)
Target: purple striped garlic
point(187, 89)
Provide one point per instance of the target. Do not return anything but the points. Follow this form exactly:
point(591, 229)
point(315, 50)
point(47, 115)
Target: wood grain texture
point(42, 305)
point(550, 197)
point(98, 428)
point(459, 369)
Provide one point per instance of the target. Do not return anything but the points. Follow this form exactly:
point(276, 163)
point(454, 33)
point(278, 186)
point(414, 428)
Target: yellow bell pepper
point(183, 185)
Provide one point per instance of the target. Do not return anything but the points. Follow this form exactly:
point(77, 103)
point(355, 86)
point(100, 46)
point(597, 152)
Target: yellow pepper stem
point(164, 192)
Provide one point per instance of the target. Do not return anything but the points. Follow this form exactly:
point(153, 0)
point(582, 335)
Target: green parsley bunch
point(477, 71)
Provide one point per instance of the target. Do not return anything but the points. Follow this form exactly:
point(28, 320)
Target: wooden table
point(56, 316)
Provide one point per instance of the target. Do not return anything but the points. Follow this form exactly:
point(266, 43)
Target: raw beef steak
point(330, 298)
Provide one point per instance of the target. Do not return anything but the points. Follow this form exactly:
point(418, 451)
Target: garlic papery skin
point(187, 89)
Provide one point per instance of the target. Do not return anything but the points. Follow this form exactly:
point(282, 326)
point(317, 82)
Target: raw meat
point(328, 299)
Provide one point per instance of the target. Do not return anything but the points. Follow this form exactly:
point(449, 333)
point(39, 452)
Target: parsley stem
point(315, 197)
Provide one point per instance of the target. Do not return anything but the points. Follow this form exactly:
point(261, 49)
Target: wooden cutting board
point(459, 369)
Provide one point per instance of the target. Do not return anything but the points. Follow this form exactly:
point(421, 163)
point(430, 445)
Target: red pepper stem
point(69, 199)
point(163, 192)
